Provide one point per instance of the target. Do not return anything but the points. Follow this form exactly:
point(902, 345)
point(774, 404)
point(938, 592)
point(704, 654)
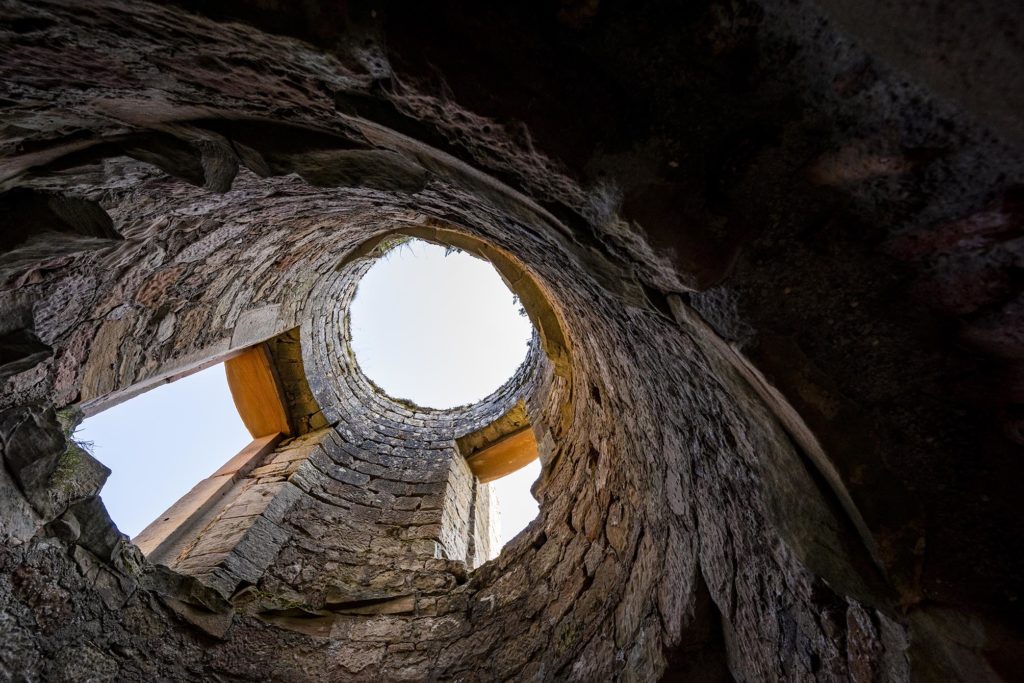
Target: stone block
point(32, 443)
point(256, 325)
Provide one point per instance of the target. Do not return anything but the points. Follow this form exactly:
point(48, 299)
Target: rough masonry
point(772, 252)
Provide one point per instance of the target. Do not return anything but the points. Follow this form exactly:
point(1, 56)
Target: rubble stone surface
point(772, 252)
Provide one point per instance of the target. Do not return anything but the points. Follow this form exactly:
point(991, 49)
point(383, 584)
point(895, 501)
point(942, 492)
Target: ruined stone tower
point(772, 252)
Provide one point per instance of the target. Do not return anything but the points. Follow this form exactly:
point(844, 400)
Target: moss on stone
point(63, 476)
point(69, 419)
point(566, 636)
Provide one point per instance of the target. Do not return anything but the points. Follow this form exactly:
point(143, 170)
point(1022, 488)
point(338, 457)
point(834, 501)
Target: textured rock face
point(780, 406)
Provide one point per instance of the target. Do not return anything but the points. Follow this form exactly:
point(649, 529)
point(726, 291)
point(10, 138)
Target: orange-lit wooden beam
point(504, 456)
point(255, 391)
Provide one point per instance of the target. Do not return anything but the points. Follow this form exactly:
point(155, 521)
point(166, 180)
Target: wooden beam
point(504, 456)
point(256, 393)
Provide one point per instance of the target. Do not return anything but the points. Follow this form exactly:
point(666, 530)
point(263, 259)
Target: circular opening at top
point(437, 326)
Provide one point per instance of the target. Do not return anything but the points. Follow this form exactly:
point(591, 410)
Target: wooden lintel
point(256, 392)
point(505, 456)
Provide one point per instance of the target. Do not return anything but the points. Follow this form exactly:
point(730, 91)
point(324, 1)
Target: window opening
point(159, 444)
point(504, 458)
point(437, 326)
point(514, 507)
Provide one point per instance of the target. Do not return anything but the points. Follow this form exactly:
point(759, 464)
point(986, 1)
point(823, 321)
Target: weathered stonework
point(772, 253)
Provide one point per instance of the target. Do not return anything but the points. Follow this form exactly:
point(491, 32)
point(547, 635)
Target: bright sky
point(516, 505)
point(442, 331)
point(162, 443)
point(439, 330)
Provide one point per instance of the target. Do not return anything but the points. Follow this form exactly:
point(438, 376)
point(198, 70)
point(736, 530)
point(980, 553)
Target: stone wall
point(766, 456)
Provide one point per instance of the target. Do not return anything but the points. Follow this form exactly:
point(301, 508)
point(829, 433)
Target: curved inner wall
point(713, 503)
point(373, 539)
